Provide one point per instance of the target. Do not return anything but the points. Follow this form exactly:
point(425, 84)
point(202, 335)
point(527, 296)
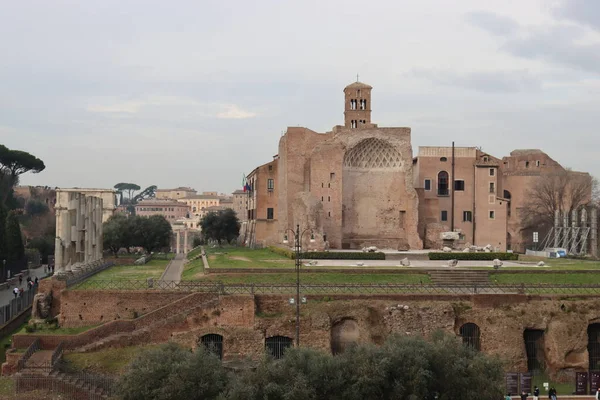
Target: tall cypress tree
point(13, 239)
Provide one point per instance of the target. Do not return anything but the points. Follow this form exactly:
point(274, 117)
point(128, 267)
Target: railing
point(383, 288)
point(57, 354)
point(16, 305)
point(33, 347)
point(82, 276)
point(73, 386)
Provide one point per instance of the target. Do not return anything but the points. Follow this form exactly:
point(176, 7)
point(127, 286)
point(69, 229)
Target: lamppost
point(298, 241)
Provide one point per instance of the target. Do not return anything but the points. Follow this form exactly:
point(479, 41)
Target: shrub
point(473, 256)
point(342, 255)
point(328, 255)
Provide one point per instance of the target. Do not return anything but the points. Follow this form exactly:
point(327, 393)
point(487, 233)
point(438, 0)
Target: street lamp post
point(297, 241)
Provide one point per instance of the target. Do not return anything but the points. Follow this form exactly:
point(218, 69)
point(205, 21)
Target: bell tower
point(357, 105)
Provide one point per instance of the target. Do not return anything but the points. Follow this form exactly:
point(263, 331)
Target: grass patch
point(194, 253)
point(243, 257)
point(7, 387)
point(562, 389)
point(152, 269)
point(107, 361)
point(570, 278)
point(45, 329)
point(324, 277)
point(193, 270)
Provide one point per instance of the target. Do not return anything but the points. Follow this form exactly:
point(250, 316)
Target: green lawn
point(193, 270)
point(570, 278)
point(324, 277)
point(194, 253)
point(242, 257)
point(7, 387)
point(106, 361)
point(152, 269)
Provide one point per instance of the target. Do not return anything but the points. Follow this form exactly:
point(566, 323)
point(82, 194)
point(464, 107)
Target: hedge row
point(473, 256)
point(328, 255)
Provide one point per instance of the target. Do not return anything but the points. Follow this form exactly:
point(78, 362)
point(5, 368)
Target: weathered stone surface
point(452, 263)
point(497, 263)
point(405, 262)
point(447, 250)
point(42, 304)
point(541, 264)
point(450, 235)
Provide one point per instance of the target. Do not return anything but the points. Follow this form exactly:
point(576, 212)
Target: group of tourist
point(551, 394)
point(18, 291)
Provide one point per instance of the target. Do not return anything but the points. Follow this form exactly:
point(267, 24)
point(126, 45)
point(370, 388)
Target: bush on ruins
point(222, 226)
point(402, 368)
point(152, 233)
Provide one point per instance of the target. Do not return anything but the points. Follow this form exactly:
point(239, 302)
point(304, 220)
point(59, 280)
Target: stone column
point(565, 241)
point(594, 232)
point(99, 230)
point(58, 255)
point(185, 241)
point(177, 244)
point(574, 231)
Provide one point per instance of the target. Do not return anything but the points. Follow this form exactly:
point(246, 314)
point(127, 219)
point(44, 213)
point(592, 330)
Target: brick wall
point(89, 307)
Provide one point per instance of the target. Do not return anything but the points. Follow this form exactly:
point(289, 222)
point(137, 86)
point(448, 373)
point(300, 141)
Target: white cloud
point(231, 111)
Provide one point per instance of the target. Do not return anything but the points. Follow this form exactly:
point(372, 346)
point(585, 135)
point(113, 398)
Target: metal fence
point(82, 276)
point(68, 386)
point(380, 288)
point(17, 305)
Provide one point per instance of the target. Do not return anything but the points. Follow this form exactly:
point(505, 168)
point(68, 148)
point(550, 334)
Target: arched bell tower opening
point(357, 105)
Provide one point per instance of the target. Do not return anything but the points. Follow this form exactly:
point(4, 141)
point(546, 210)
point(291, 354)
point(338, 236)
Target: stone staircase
point(146, 327)
point(81, 383)
point(452, 277)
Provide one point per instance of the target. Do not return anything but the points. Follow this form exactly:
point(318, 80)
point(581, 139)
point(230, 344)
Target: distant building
point(174, 194)
point(170, 209)
point(240, 203)
point(199, 203)
point(261, 226)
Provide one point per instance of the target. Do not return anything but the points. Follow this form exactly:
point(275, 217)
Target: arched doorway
point(213, 343)
point(593, 332)
point(442, 183)
point(471, 335)
point(534, 347)
point(344, 334)
point(277, 345)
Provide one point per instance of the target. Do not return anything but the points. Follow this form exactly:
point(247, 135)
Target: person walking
point(20, 280)
point(16, 291)
point(524, 395)
point(536, 393)
point(552, 393)
point(35, 283)
point(507, 397)
point(597, 394)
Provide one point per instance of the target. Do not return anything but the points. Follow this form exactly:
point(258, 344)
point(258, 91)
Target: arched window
point(214, 344)
point(277, 345)
point(442, 183)
point(470, 335)
point(534, 347)
point(507, 196)
point(593, 332)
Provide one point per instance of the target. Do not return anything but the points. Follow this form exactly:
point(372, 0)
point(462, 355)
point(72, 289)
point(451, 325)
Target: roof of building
point(239, 191)
point(160, 203)
point(200, 196)
point(358, 85)
point(181, 188)
point(524, 152)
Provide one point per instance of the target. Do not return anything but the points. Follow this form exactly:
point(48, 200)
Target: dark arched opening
point(471, 335)
point(593, 332)
point(508, 197)
point(534, 347)
point(344, 334)
point(442, 183)
point(213, 343)
point(277, 345)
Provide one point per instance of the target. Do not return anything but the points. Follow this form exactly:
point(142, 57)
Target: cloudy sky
point(195, 93)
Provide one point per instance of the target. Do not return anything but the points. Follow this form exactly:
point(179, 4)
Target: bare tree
point(563, 191)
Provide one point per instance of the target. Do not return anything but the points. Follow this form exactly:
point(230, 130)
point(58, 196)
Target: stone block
point(450, 235)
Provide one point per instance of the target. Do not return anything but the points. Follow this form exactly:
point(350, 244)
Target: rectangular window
point(537, 163)
point(459, 185)
point(526, 164)
point(492, 171)
point(427, 184)
point(444, 216)
point(331, 176)
point(270, 184)
point(492, 214)
point(328, 198)
point(269, 213)
point(492, 187)
point(467, 216)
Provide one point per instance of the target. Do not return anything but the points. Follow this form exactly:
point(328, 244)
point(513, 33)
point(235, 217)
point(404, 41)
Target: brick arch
point(471, 335)
point(373, 153)
point(344, 334)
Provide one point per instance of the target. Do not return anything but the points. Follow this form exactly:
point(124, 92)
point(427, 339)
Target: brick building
point(172, 210)
point(174, 194)
point(240, 204)
point(359, 185)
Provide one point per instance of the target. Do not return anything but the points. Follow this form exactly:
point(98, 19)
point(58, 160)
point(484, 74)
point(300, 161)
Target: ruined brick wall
point(89, 307)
